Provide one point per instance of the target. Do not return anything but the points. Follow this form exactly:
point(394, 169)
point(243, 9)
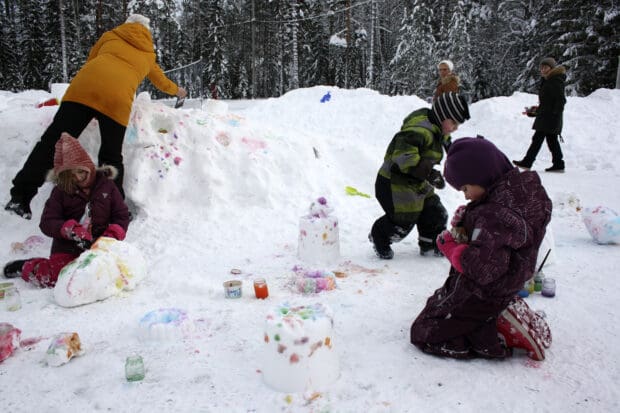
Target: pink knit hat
point(69, 154)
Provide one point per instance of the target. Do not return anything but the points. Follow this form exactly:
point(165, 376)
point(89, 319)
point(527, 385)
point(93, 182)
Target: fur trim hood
point(108, 171)
point(452, 77)
point(556, 71)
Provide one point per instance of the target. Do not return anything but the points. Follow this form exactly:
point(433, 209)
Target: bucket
point(232, 289)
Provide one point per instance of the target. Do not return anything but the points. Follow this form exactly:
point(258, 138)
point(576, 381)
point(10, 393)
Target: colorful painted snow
point(106, 269)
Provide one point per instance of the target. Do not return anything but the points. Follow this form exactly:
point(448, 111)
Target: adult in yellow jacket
point(104, 89)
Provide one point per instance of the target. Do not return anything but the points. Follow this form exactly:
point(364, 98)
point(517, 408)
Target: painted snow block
point(603, 224)
point(107, 268)
point(313, 281)
point(9, 340)
point(62, 348)
point(165, 324)
point(319, 241)
point(298, 353)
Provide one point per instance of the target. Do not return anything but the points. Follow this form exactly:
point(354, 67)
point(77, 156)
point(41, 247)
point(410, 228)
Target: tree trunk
point(294, 73)
point(63, 43)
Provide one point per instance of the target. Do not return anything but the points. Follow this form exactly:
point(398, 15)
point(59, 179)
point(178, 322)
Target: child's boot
point(14, 269)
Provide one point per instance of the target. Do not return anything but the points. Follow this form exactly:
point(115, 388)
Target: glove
point(114, 231)
point(531, 111)
point(71, 230)
point(457, 218)
point(435, 179)
point(450, 249)
point(423, 168)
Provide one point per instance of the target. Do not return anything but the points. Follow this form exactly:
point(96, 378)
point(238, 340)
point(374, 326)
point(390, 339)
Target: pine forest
point(264, 48)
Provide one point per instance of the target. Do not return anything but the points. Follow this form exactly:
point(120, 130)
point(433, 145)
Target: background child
point(500, 232)
point(405, 181)
point(84, 205)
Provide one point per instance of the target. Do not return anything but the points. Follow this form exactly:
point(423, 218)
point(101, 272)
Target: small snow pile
point(603, 224)
point(106, 269)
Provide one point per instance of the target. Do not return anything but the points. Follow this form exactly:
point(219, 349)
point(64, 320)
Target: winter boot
point(14, 269)
point(384, 252)
point(429, 249)
point(19, 207)
point(522, 164)
point(519, 327)
point(535, 320)
point(555, 168)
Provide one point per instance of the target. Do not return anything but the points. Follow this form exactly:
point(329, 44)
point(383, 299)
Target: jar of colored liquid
point(134, 368)
point(538, 281)
point(260, 288)
point(530, 286)
point(548, 287)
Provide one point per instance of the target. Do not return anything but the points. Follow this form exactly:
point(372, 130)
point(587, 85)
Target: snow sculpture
point(9, 340)
point(310, 282)
point(318, 235)
point(165, 324)
point(603, 224)
point(299, 352)
point(106, 269)
point(62, 348)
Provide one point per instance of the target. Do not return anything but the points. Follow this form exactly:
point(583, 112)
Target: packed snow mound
point(106, 269)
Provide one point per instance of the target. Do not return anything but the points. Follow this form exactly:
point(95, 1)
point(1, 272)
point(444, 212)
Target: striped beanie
point(451, 105)
point(69, 154)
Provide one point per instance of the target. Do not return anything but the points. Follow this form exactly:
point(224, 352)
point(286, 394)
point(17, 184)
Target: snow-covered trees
point(265, 48)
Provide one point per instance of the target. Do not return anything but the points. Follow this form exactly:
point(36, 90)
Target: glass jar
point(12, 299)
point(548, 287)
point(260, 288)
point(134, 368)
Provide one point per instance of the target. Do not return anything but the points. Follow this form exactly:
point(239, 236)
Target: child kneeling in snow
point(493, 247)
point(84, 205)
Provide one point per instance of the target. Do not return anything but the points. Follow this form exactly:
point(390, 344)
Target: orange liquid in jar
point(260, 289)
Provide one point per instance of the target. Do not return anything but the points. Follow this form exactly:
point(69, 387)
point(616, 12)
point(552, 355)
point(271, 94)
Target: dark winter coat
point(409, 157)
point(551, 101)
point(106, 207)
point(505, 230)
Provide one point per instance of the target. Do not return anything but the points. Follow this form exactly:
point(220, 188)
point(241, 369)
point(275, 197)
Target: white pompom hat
point(138, 18)
point(447, 63)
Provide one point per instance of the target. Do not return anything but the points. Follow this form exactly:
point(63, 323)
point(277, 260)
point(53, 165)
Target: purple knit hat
point(474, 161)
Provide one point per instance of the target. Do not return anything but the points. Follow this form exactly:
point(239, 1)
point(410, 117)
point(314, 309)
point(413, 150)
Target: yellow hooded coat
point(115, 67)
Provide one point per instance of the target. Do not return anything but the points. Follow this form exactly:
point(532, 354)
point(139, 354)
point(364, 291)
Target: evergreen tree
point(9, 55)
point(412, 66)
point(216, 76)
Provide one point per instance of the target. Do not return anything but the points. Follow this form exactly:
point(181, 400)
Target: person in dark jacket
point(84, 205)
point(404, 185)
point(493, 247)
point(103, 89)
point(548, 113)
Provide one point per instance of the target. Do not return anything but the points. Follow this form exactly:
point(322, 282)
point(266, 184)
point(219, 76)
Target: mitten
point(457, 218)
point(435, 179)
point(531, 111)
point(423, 168)
point(114, 231)
point(71, 230)
point(450, 249)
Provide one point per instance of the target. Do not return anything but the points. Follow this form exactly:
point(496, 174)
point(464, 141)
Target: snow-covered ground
point(219, 189)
